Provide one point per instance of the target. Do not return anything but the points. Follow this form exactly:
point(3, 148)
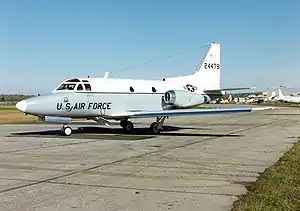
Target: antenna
point(106, 75)
point(161, 58)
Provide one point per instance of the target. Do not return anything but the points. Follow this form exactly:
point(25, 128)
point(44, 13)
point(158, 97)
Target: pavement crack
point(51, 146)
point(140, 189)
point(130, 158)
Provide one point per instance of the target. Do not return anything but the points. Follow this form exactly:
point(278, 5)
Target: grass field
point(10, 115)
point(278, 188)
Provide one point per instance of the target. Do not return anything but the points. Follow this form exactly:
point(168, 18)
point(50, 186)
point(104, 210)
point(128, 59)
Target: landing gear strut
point(156, 127)
point(127, 125)
point(66, 130)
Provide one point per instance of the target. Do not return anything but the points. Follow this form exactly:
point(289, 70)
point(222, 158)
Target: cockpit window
point(80, 87)
point(73, 80)
point(67, 87)
point(87, 87)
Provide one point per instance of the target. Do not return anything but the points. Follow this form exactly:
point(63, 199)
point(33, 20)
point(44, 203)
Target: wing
point(184, 112)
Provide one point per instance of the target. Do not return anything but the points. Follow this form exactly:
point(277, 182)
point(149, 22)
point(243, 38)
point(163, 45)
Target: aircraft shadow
point(139, 132)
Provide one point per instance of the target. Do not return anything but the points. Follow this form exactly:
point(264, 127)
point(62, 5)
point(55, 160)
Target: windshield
point(67, 87)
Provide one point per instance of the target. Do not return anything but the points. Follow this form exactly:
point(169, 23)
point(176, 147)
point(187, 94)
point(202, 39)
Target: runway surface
point(199, 163)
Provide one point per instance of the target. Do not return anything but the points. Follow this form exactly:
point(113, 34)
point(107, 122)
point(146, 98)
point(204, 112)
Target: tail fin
point(280, 94)
point(207, 77)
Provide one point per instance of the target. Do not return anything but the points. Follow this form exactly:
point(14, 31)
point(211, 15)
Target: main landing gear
point(127, 125)
point(155, 127)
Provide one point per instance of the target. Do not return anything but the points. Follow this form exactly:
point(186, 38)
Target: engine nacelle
point(182, 99)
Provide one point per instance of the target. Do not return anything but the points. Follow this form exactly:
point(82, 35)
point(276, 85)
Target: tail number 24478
point(211, 66)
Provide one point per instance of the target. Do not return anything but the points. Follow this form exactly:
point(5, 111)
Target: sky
point(45, 42)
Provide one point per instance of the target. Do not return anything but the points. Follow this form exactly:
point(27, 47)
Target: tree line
point(13, 98)
point(245, 94)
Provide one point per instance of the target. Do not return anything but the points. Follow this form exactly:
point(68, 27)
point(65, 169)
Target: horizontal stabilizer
point(229, 89)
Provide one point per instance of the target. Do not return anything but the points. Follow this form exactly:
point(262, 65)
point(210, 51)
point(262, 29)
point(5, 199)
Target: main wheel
point(66, 130)
point(123, 123)
point(154, 129)
point(128, 126)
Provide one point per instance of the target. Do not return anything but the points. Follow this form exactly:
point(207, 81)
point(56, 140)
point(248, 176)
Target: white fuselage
point(115, 85)
point(291, 99)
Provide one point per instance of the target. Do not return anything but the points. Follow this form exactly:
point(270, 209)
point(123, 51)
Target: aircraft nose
point(22, 105)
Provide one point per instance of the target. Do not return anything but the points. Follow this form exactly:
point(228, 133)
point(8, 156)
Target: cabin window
point(131, 89)
point(87, 87)
point(80, 87)
point(153, 89)
point(67, 87)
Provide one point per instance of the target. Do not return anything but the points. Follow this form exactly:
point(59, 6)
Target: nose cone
point(22, 105)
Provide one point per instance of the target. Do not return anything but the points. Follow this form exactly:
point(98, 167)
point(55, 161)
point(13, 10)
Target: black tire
point(129, 126)
point(66, 131)
point(123, 123)
point(153, 128)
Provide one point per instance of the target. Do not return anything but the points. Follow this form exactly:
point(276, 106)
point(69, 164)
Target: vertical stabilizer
point(208, 74)
point(280, 94)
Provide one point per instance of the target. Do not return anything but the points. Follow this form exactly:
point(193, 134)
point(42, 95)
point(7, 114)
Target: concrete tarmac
point(198, 163)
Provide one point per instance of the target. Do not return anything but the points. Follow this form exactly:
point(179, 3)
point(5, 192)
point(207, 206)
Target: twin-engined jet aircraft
point(105, 99)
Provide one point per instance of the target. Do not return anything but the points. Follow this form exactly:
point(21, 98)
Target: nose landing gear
point(66, 130)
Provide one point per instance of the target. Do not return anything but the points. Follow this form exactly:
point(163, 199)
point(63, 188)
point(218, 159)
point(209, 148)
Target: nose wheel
point(66, 130)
